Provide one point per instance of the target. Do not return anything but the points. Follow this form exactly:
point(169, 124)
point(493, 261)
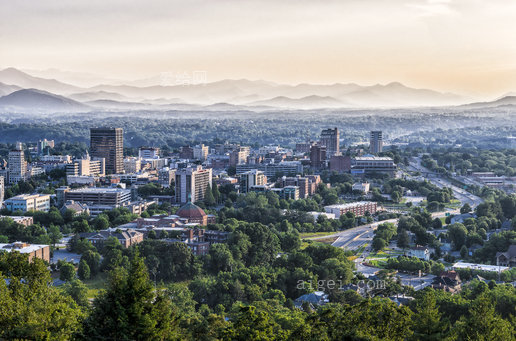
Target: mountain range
point(26, 92)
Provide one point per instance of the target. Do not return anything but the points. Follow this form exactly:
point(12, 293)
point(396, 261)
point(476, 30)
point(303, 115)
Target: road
point(462, 195)
point(355, 237)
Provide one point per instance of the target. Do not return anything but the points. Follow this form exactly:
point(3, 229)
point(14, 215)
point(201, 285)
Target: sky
point(461, 46)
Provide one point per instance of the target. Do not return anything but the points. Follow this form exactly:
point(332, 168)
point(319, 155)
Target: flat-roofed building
point(376, 142)
point(28, 202)
point(192, 183)
point(33, 250)
point(108, 143)
point(358, 208)
point(251, 178)
point(17, 165)
point(149, 152)
point(330, 139)
point(373, 164)
point(200, 152)
point(22, 220)
point(86, 167)
point(98, 196)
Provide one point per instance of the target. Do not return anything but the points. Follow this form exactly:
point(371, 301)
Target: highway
point(462, 195)
point(356, 237)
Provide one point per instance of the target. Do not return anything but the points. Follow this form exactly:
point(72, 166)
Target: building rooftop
point(351, 204)
point(483, 267)
point(21, 247)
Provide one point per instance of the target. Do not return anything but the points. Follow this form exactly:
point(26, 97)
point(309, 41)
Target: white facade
point(28, 202)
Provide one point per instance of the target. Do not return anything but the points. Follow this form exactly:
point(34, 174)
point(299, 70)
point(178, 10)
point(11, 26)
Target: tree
point(378, 244)
point(428, 324)
point(130, 308)
point(209, 199)
point(92, 259)
point(66, 271)
point(457, 233)
point(465, 209)
point(482, 323)
point(78, 292)
point(403, 241)
point(463, 251)
point(84, 270)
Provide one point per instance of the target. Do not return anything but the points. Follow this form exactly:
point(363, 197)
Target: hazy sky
point(464, 46)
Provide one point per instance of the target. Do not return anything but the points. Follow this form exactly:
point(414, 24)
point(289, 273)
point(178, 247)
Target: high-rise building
point(251, 178)
point(17, 165)
point(318, 156)
point(330, 139)
point(42, 144)
point(108, 143)
point(200, 152)
point(192, 183)
point(186, 152)
point(2, 190)
point(239, 156)
point(376, 143)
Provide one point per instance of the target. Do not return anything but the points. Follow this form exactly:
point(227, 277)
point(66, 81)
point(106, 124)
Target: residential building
point(420, 252)
point(376, 142)
point(166, 176)
point(361, 187)
point(108, 143)
point(239, 156)
point(149, 152)
point(304, 148)
point(330, 138)
point(17, 165)
point(318, 156)
point(33, 250)
point(192, 183)
point(43, 144)
point(87, 166)
point(251, 178)
point(126, 238)
point(358, 208)
point(314, 300)
point(186, 152)
point(272, 170)
point(28, 202)
point(2, 190)
point(77, 207)
point(200, 152)
point(507, 258)
point(448, 281)
point(132, 164)
point(22, 220)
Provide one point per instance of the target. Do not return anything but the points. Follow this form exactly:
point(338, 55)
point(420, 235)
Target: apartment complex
point(192, 183)
point(2, 190)
point(376, 142)
point(358, 208)
point(86, 167)
point(108, 143)
point(251, 178)
point(200, 152)
point(28, 202)
point(148, 152)
point(318, 156)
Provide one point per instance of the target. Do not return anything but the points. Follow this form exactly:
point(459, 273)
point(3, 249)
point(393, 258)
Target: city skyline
point(454, 46)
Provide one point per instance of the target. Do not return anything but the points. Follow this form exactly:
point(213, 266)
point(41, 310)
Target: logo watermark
point(321, 285)
point(184, 78)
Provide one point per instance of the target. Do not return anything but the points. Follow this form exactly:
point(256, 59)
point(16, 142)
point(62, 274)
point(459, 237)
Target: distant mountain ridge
point(234, 92)
point(39, 100)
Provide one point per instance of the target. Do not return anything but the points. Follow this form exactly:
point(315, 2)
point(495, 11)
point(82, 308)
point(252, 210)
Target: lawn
point(96, 284)
point(306, 235)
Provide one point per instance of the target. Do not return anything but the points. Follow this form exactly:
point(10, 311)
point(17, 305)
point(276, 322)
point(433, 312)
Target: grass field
point(96, 284)
point(307, 235)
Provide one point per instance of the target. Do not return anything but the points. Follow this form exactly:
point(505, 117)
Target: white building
point(28, 202)
point(148, 153)
point(420, 252)
point(251, 178)
point(200, 152)
point(192, 183)
point(17, 165)
point(362, 187)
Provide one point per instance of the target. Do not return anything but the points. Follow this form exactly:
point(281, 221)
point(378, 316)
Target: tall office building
point(330, 138)
point(192, 183)
point(17, 165)
point(108, 143)
point(376, 143)
point(318, 156)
